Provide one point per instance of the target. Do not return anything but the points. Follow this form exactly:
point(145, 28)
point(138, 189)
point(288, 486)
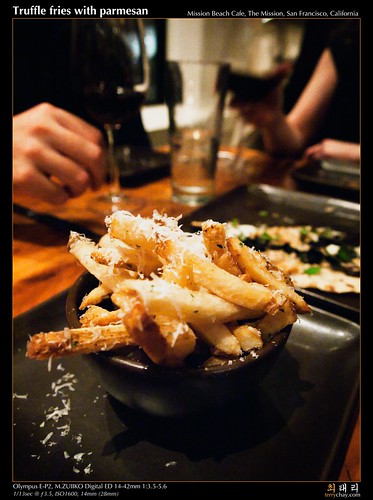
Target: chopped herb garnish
point(345, 254)
point(263, 213)
point(326, 233)
point(304, 232)
point(235, 222)
point(313, 270)
point(265, 236)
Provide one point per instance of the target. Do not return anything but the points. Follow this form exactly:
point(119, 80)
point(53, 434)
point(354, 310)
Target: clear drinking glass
point(111, 75)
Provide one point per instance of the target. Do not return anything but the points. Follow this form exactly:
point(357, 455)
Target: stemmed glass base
point(114, 200)
point(106, 204)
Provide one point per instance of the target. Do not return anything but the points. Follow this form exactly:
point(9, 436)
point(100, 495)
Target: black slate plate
point(315, 178)
point(258, 204)
point(294, 427)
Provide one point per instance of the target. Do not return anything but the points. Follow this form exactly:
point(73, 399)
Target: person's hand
point(331, 149)
point(56, 155)
point(267, 112)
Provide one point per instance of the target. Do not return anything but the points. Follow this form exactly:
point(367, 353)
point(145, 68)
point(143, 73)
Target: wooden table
point(42, 266)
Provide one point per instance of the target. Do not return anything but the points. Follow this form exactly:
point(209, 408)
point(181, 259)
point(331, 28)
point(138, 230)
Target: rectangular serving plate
point(294, 427)
point(342, 183)
point(264, 204)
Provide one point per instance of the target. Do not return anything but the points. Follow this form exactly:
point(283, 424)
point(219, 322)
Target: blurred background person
point(319, 119)
point(58, 152)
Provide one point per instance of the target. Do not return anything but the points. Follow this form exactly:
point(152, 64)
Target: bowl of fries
point(204, 382)
point(174, 323)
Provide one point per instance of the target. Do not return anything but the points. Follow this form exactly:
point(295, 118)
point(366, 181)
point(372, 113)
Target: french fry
point(170, 299)
point(145, 234)
point(260, 270)
point(100, 256)
point(215, 239)
point(142, 328)
point(99, 316)
point(206, 274)
point(180, 338)
point(165, 341)
point(95, 296)
point(73, 341)
point(248, 336)
point(219, 337)
point(136, 258)
point(82, 249)
point(269, 325)
point(139, 232)
point(181, 275)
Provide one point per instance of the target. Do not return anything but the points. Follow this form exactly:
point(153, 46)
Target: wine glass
point(111, 76)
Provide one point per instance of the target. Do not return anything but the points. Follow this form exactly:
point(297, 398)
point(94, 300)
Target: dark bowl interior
point(130, 377)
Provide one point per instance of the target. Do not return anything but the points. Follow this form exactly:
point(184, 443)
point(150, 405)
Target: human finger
point(314, 152)
point(51, 162)
point(75, 138)
point(38, 186)
point(89, 155)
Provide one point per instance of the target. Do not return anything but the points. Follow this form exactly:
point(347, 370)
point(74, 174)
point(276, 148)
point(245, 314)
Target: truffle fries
point(166, 341)
point(170, 290)
point(255, 264)
point(78, 341)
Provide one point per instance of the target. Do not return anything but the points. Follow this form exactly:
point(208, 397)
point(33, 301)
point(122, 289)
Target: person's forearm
point(331, 149)
point(280, 138)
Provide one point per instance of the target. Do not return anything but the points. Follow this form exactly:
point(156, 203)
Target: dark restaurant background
point(255, 45)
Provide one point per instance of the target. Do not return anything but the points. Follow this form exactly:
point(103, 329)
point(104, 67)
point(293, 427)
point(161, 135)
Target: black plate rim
point(310, 174)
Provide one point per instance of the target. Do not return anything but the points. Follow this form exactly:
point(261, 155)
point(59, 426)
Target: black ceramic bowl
point(130, 377)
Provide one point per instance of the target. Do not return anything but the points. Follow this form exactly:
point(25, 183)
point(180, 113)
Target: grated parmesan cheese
point(88, 469)
point(163, 227)
point(57, 413)
point(20, 396)
point(65, 429)
point(50, 363)
point(47, 437)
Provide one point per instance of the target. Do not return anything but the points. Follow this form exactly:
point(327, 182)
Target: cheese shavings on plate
point(314, 257)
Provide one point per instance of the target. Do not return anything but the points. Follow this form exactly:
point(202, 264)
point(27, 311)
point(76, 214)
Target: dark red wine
point(248, 87)
point(109, 106)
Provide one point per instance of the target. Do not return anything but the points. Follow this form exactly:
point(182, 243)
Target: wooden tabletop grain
point(42, 266)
